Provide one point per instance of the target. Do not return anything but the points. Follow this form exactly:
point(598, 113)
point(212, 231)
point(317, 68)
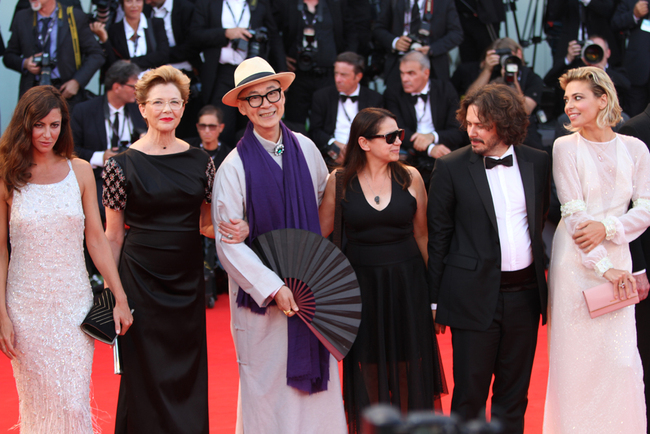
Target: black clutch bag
point(99, 323)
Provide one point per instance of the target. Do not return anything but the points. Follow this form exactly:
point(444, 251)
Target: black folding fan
point(323, 283)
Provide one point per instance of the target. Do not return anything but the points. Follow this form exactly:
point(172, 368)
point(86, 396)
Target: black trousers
point(506, 350)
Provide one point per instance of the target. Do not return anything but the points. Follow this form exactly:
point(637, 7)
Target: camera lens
point(592, 53)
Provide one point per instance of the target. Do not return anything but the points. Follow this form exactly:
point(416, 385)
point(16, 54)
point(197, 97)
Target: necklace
point(373, 191)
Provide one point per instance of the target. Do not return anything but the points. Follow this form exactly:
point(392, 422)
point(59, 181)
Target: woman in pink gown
point(595, 380)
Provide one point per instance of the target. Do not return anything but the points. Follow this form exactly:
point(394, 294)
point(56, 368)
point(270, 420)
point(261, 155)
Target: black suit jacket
point(444, 103)
point(639, 127)
point(157, 45)
point(637, 56)
point(598, 14)
point(22, 44)
point(325, 107)
point(464, 250)
point(209, 36)
point(89, 127)
point(291, 24)
point(446, 33)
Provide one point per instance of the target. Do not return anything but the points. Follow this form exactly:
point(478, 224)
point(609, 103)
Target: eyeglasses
point(159, 105)
point(132, 86)
point(208, 127)
point(390, 137)
point(256, 101)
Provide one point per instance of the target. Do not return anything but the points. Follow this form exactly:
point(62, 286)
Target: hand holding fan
point(323, 283)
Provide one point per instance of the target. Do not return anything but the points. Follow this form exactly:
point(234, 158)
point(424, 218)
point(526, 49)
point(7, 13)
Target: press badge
point(645, 25)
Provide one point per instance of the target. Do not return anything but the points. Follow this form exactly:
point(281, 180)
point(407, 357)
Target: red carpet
point(223, 380)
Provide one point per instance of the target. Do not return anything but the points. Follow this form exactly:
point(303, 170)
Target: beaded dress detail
point(595, 382)
point(48, 296)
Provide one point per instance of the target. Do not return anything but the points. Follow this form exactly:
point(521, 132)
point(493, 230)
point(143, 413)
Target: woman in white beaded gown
point(48, 200)
point(595, 382)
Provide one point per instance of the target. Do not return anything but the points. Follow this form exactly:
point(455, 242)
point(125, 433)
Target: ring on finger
point(621, 285)
point(229, 236)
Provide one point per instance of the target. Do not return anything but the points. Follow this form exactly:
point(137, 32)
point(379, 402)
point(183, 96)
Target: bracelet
point(602, 266)
point(610, 227)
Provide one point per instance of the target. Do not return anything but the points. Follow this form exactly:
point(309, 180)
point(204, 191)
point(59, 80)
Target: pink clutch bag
point(600, 300)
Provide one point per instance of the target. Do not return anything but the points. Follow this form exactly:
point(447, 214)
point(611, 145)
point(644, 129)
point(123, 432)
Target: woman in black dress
point(161, 188)
point(395, 356)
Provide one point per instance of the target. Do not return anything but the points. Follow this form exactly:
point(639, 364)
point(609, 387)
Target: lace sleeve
point(114, 194)
point(209, 173)
point(569, 192)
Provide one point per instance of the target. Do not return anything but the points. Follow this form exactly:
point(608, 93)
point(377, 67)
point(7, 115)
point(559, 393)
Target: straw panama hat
point(253, 71)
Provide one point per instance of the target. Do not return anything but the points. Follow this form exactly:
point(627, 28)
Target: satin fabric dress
point(164, 385)
point(595, 382)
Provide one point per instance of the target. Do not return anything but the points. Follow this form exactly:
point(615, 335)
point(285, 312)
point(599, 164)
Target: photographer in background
point(504, 63)
point(228, 32)
point(314, 32)
point(103, 126)
point(432, 30)
point(53, 45)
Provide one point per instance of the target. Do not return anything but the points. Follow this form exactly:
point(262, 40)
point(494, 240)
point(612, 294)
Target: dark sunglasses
point(390, 137)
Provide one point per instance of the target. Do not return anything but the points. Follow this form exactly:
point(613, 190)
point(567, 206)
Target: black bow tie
point(422, 96)
point(493, 162)
point(344, 97)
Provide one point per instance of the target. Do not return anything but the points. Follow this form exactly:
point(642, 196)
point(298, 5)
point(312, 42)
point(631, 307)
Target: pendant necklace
point(373, 191)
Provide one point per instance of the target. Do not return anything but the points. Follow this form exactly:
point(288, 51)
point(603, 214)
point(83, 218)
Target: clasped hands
point(589, 235)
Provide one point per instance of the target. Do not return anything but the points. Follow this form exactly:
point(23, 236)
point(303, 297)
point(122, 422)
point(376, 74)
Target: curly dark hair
point(366, 124)
point(16, 143)
point(498, 106)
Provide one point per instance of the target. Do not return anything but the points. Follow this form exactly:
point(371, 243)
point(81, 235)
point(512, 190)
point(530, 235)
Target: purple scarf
point(279, 198)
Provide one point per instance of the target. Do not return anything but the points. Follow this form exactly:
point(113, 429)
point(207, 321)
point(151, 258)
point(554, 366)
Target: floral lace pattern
point(642, 203)
point(572, 207)
point(114, 194)
point(602, 266)
point(610, 227)
point(209, 173)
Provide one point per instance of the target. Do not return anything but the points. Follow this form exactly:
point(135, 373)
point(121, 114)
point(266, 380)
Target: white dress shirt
point(165, 13)
point(235, 13)
point(139, 47)
point(344, 116)
point(509, 202)
point(125, 131)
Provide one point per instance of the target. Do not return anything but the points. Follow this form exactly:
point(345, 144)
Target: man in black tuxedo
point(486, 211)
point(222, 30)
point(426, 108)
point(395, 23)
point(48, 30)
point(177, 16)
point(639, 127)
point(633, 16)
point(333, 108)
point(103, 125)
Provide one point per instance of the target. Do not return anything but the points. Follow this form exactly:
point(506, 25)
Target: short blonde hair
point(600, 85)
point(162, 75)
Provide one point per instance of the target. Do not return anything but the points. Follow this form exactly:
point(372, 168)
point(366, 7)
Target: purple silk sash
point(278, 198)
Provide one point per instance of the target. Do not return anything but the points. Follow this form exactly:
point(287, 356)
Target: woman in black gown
point(161, 188)
point(395, 356)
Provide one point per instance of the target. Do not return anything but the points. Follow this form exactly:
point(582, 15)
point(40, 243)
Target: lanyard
point(125, 120)
point(43, 40)
point(232, 14)
point(345, 112)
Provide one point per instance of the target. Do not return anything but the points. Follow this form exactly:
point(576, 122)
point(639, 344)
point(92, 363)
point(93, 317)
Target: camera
point(592, 53)
point(257, 43)
point(104, 11)
point(510, 64)
point(123, 146)
point(307, 53)
point(420, 38)
point(43, 60)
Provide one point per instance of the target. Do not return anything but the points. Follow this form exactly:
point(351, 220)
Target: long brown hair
point(16, 143)
point(366, 124)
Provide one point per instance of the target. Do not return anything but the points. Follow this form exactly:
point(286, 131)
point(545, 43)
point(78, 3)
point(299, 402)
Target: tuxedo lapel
point(477, 172)
point(363, 98)
point(433, 99)
point(527, 170)
point(410, 110)
point(63, 29)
